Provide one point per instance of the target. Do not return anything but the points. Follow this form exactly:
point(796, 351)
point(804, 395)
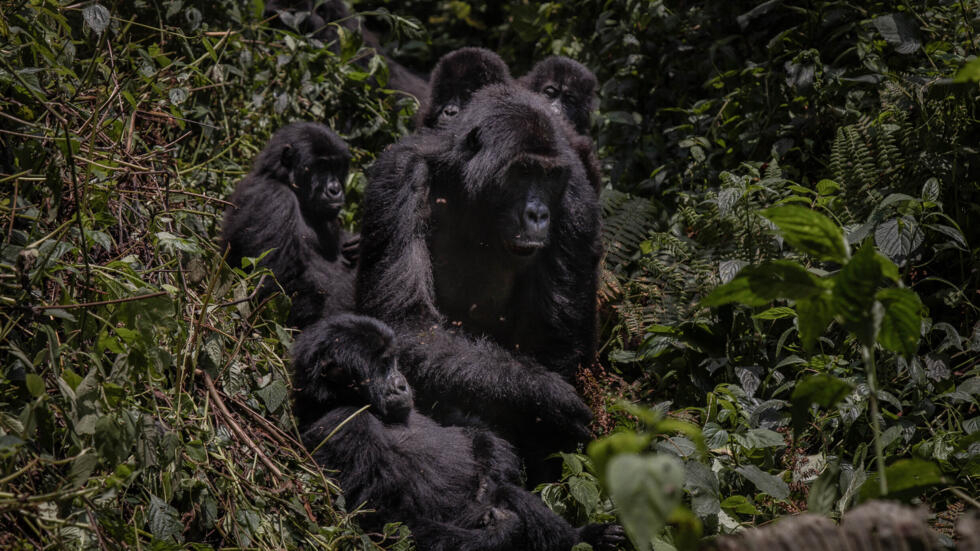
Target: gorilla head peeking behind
point(289, 203)
point(455, 488)
point(569, 87)
point(456, 77)
point(480, 243)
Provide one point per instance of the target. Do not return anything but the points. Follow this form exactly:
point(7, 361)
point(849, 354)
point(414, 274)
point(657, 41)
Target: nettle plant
point(865, 296)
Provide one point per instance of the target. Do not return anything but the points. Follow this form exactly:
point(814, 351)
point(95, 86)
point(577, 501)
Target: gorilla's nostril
point(536, 215)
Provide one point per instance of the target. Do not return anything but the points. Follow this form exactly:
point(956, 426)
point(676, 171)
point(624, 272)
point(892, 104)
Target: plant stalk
point(869, 365)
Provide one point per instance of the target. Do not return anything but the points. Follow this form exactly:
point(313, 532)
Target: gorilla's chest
point(475, 290)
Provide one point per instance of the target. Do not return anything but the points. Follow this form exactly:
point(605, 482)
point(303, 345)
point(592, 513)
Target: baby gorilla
point(457, 76)
point(289, 203)
point(455, 488)
point(570, 89)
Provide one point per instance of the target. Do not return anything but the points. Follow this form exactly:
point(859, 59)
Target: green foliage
point(143, 397)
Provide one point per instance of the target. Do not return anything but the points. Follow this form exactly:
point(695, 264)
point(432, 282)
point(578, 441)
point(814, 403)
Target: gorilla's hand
point(558, 405)
point(602, 537)
point(350, 251)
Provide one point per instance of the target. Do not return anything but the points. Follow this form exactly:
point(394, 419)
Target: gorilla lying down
point(455, 488)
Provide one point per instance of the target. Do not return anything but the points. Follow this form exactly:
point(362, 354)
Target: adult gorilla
point(480, 245)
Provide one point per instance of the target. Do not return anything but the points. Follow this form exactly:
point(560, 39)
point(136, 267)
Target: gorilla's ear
point(288, 156)
point(472, 143)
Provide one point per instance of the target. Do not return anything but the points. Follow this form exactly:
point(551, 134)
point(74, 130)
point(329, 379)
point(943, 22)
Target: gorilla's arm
point(460, 372)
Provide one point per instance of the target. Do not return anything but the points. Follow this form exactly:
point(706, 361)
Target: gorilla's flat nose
point(537, 218)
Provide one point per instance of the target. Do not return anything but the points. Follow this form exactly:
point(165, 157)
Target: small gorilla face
point(320, 186)
point(568, 86)
point(457, 76)
point(388, 390)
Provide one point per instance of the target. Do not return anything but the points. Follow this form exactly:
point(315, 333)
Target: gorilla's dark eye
point(550, 91)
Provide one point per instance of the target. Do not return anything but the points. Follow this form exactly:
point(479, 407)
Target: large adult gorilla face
point(512, 167)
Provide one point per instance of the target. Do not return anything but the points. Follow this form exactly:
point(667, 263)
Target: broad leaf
point(96, 17)
point(898, 238)
point(813, 316)
point(906, 478)
point(810, 232)
point(854, 294)
point(646, 489)
point(765, 482)
point(164, 520)
point(902, 320)
point(822, 390)
point(823, 491)
point(760, 285)
point(900, 31)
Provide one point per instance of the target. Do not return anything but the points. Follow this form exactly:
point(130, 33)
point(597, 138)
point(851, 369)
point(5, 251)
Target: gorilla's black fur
point(316, 18)
point(289, 202)
point(480, 243)
point(457, 76)
point(455, 488)
point(570, 88)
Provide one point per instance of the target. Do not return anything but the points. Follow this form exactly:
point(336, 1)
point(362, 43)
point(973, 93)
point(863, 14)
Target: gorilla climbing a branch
point(570, 88)
point(455, 488)
point(457, 76)
point(289, 203)
point(480, 243)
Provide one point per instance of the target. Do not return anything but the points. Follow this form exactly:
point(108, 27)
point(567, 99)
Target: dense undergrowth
point(144, 398)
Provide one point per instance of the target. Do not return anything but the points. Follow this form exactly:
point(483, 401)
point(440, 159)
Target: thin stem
point(869, 365)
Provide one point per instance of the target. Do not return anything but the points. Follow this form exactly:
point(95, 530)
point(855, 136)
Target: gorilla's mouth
point(524, 248)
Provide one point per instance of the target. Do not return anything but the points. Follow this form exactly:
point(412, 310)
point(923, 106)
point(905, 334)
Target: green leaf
point(35, 384)
point(646, 489)
point(900, 31)
point(898, 238)
point(96, 17)
point(760, 285)
point(810, 232)
point(765, 482)
point(969, 72)
point(776, 313)
point(906, 478)
point(273, 394)
point(854, 294)
point(164, 520)
point(739, 504)
point(902, 321)
point(823, 492)
point(601, 451)
point(81, 469)
point(813, 316)
point(760, 438)
point(585, 491)
point(822, 390)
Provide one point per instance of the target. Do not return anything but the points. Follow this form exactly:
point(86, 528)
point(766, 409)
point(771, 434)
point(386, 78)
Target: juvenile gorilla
point(570, 89)
point(457, 76)
point(480, 244)
point(453, 487)
point(289, 203)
